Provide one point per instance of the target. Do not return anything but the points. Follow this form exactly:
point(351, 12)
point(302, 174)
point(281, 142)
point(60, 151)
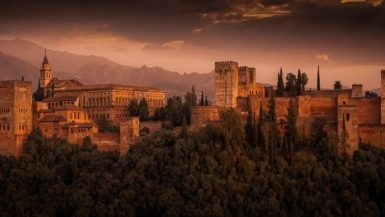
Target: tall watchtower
point(45, 72)
point(226, 84)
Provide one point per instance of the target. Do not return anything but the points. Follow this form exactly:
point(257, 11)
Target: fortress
point(68, 109)
point(362, 117)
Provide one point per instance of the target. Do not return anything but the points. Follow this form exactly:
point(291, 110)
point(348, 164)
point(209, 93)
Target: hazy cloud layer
point(188, 35)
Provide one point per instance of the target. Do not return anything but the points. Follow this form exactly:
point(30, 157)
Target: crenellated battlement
point(12, 83)
point(225, 64)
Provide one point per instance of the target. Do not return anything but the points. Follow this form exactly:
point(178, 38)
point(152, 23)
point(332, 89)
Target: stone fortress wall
point(364, 117)
point(15, 115)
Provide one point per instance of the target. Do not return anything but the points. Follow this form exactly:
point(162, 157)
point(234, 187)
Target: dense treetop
point(214, 172)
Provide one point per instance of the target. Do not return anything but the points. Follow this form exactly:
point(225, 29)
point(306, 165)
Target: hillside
point(95, 69)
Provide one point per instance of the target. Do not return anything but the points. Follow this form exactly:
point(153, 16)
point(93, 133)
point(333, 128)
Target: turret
point(357, 90)
point(45, 72)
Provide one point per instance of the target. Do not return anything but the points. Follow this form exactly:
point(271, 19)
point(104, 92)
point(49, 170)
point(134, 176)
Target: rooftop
point(110, 86)
point(60, 98)
point(52, 118)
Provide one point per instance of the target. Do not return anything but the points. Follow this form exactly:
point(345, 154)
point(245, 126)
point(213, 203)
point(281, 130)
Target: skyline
point(344, 38)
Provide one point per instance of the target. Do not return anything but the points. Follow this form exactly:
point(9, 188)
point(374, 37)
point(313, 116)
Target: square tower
point(15, 116)
point(226, 84)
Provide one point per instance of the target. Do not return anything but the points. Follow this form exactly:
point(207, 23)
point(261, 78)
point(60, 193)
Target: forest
point(218, 171)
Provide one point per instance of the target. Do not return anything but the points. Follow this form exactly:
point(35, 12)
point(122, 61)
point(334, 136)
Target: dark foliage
point(209, 173)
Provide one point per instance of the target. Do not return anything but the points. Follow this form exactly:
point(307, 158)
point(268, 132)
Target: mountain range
point(23, 58)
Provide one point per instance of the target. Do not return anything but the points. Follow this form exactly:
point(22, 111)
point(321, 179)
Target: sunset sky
point(346, 38)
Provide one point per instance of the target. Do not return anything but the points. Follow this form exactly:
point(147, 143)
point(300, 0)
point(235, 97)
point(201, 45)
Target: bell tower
point(45, 72)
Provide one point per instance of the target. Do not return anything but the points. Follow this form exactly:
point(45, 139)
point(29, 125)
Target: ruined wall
point(226, 84)
point(201, 115)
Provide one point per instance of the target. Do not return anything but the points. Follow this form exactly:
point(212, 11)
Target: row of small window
point(23, 126)
point(81, 130)
point(76, 115)
point(97, 116)
point(4, 127)
point(57, 104)
point(5, 110)
point(24, 110)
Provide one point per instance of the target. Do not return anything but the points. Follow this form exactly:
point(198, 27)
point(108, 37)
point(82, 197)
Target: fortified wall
point(15, 116)
point(362, 118)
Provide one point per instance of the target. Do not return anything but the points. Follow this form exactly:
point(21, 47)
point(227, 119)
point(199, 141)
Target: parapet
point(13, 83)
point(225, 64)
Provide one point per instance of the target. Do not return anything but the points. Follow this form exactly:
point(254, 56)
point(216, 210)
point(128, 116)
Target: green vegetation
point(139, 109)
point(213, 172)
point(369, 94)
point(38, 95)
point(176, 109)
point(337, 85)
point(106, 126)
point(295, 85)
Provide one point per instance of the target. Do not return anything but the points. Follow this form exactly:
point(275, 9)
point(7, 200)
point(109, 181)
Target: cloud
point(323, 57)
point(176, 44)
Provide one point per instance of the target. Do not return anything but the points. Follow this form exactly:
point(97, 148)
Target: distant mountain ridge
point(23, 58)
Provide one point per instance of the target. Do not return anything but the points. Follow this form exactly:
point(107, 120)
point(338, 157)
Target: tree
point(304, 81)
point(232, 128)
point(369, 94)
point(273, 140)
point(183, 131)
point(106, 126)
point(191, 97)
point(291, 81)
point(159, 114)
point(337, 85)
point(143, 110)
point(250, 127)
point(133, 108)
point(38, 95)
point(280, 84)
point(175, 110)
point(318, 80)
point(291, 129)
point(202, 101)
point(344, 146)
point(298, 84)
point(260, 132)
point(206, 102)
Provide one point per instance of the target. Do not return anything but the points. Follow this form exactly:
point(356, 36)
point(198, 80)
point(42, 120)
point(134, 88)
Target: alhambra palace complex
point(72, 108)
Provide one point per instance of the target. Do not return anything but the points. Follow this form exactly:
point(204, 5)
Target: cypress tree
point(260, 136)
point(193, 96)
point(206, 102)
point(202, 102)
point(344, 137)
point(318, 80)
point(291, 129)
point(183, 131)
point(249, 127)
point(273, 152)
point(299, 83)
point(280, 84)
